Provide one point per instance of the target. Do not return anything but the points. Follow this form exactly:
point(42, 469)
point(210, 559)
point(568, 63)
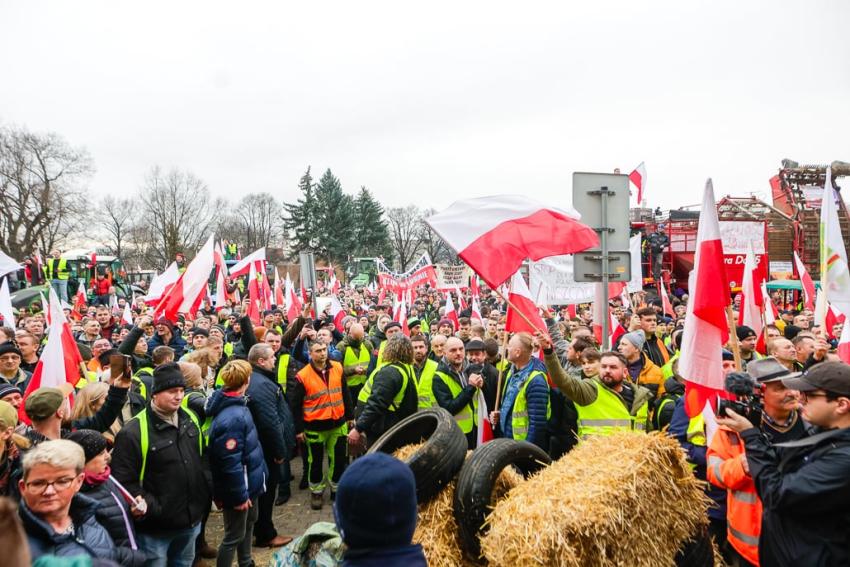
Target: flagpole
point(501, 370)
point(733, 338)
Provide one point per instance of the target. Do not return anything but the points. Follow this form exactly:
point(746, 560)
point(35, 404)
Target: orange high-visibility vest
point(322, 400)
point(743, 506)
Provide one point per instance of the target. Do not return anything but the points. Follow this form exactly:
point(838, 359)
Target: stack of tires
point(442, 459)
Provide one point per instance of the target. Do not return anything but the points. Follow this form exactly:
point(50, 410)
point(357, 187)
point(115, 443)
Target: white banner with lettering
point(551, 280)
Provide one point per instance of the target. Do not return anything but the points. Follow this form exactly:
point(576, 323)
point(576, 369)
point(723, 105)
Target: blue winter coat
point(236, 459)
point(89, 538)
point(271, 413)
point(178, 343)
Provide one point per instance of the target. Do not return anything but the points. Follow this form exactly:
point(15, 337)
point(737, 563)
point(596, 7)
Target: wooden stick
point(501, 371)
point(733, 338)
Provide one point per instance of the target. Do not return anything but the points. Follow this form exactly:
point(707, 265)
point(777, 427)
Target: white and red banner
point(737, 237)
point(421, 273)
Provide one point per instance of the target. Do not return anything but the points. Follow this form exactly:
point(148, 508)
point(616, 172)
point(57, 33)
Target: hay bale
point(436, 528)
point(624, 499)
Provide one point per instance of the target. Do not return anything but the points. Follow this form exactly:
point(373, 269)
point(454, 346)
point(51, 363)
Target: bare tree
point(41, 189)
point(116, 217)
point(433, 245)
point(179, 211)
point(259, 218)
point(404, 227)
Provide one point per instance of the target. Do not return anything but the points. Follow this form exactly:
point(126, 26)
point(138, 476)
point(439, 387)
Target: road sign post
point(603, 201)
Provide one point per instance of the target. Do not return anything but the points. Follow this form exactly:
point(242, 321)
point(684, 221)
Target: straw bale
point(624, 499)
point(436, 528)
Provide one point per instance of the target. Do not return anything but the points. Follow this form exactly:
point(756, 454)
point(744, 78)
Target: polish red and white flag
point(523, 315)
point(292, 305)
point(337, 313)
point(752, 301)
point(494, 235)
point(220, 298)
point(638, 179)
point(450, 312)
point(59, 365)
point(162, 284)
point(807, 282)
point(243, 268)
point(183, 295)
point(706, 325)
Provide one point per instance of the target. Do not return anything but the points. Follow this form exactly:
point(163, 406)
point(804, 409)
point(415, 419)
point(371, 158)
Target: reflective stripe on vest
point(352, 359)
point(282, 370)
point(142, 416)
point(406, 373)
point(607, 415)
point(464, 417)
point(425, 387)
point(141, 388)
point(56, 269)
point(381, 348)
point(519, 414)
point(205, 426)
point(322, 400)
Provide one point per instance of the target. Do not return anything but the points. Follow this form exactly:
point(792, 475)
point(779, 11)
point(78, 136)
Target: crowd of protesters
point(212, 409)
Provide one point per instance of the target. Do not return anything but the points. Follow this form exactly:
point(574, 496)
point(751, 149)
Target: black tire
point(696, 552)
point(474, 491)
point(437, 462)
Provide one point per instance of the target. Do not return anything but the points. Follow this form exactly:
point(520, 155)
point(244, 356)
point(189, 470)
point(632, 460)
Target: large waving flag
point(183, 297)
point(706, 327)
point(806, 280)
point(494, 235)
point(60, 361)
point(834, 272)
point(292, 304)
point(638, 179)
point(523, 315)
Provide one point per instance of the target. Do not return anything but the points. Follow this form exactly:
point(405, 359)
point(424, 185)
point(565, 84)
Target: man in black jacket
point(276, 432)
point(388, 396)
point(804, 485)
point(158, 455)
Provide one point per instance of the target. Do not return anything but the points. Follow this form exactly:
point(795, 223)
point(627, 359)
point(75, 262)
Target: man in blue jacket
point(276, 432)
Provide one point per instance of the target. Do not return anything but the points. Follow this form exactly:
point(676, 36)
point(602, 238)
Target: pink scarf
point(98, 479)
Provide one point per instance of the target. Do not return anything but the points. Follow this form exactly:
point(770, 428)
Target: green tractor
point(362, 271)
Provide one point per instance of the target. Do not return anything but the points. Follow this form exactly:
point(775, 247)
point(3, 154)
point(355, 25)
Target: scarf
point(97, 479)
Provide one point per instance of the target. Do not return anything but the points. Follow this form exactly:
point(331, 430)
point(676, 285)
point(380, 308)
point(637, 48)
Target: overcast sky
point(426, 103)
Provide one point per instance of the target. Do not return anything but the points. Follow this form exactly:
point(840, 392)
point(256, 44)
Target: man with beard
point(607, 403)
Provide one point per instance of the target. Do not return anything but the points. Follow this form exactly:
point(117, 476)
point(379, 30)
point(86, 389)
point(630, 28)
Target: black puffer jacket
point(176, 484)
point(374, 416)
point(128, 346)
point(271, 413)
point(114, 515)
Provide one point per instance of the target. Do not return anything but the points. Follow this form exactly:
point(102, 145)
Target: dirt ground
point(291, 519)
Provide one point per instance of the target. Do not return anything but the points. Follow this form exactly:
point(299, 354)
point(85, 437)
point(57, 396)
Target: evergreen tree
point(335, 221)
point(372, 236)
point(301, 217)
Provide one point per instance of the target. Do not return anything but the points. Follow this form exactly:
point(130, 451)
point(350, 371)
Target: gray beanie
point(637, 338)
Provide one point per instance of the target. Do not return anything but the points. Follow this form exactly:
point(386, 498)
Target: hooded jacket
point(113, 513)
point(237, 462)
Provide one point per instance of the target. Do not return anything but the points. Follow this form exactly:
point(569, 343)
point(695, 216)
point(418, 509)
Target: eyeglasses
point(40, 486)
point(806, 395)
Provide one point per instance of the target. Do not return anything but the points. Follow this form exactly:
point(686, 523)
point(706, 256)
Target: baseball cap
point(833, 377)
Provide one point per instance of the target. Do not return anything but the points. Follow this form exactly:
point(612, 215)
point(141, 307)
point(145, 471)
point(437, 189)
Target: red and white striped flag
point(243, 267)
point(485, 430)
point(220, 298)
point(752, 300)
point(461, 304)
point(476, 309)
point(127, 316)
point(450, 313)
point(293, 304)
point(192, 284)
point(60, 361)
point(337, 313)
point(162, 284)
point(844, 342)
point(666, 305)
point(638, 179)
point(520, 301)
point(255, 301)
point(806, 281)
point(706, 326)
point(278, 290)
